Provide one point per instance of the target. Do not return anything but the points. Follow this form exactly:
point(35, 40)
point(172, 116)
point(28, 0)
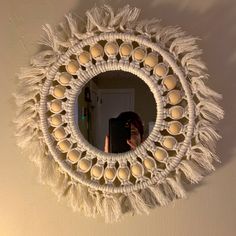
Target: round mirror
point(116, 111)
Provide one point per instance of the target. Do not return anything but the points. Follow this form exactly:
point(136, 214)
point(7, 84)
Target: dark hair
point(132, 117)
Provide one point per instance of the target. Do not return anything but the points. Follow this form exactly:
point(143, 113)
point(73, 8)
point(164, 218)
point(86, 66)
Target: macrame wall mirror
point(60, 91)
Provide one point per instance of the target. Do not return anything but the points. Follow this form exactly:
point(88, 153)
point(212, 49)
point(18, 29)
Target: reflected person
point(136, 130)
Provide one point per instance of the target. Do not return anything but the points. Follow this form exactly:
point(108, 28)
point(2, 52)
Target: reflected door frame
point(122, 100)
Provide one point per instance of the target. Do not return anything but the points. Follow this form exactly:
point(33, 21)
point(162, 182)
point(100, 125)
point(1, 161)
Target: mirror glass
point(116, 111)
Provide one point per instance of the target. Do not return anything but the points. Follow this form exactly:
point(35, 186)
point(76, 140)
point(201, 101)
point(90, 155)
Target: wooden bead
point(126, 49)
point(84, 58)
point(149, 163)
point(96, 51)
point(151, 60)
point(176, 112)
point(111, 48)
point(96, 171)
point(56, 106)
point(169, 142)
point(123, 173)
point(110, 173)
point(160, 70)
point(55, 120)
point(72, 67)
point(64, 78)
point(73, 156)
point(174, 127)
point(59, 91)
point(64, 145)
point(160, 154)
point(84, 165)
point(139, 54)
point(170, 82)
point(59, 133)
point(174, 97)
point(137, 170)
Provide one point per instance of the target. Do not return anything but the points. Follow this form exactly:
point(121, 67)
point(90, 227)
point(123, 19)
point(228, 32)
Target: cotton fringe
point(29, 136)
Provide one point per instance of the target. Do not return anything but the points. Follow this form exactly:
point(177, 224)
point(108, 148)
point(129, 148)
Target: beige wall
point(28, 208)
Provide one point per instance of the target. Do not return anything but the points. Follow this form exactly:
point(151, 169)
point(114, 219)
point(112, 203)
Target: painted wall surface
point(28, 208)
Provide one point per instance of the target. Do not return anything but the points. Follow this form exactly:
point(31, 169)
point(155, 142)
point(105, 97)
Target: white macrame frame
point(148, 181)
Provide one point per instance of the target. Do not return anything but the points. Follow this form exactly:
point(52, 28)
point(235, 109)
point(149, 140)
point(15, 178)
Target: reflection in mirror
point(116, 111)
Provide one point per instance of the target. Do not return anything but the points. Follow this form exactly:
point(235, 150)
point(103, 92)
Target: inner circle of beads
point(82, 146)
point(114, 157)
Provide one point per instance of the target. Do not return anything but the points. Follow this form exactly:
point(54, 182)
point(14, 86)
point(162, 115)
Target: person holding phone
point(118, 136)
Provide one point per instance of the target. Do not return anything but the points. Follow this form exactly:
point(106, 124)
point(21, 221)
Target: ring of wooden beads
point(141, 56)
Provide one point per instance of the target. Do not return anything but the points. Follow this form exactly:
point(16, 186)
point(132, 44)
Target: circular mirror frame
point(110, 184)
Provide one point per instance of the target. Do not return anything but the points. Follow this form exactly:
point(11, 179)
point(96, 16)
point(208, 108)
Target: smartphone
point(119, 133)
